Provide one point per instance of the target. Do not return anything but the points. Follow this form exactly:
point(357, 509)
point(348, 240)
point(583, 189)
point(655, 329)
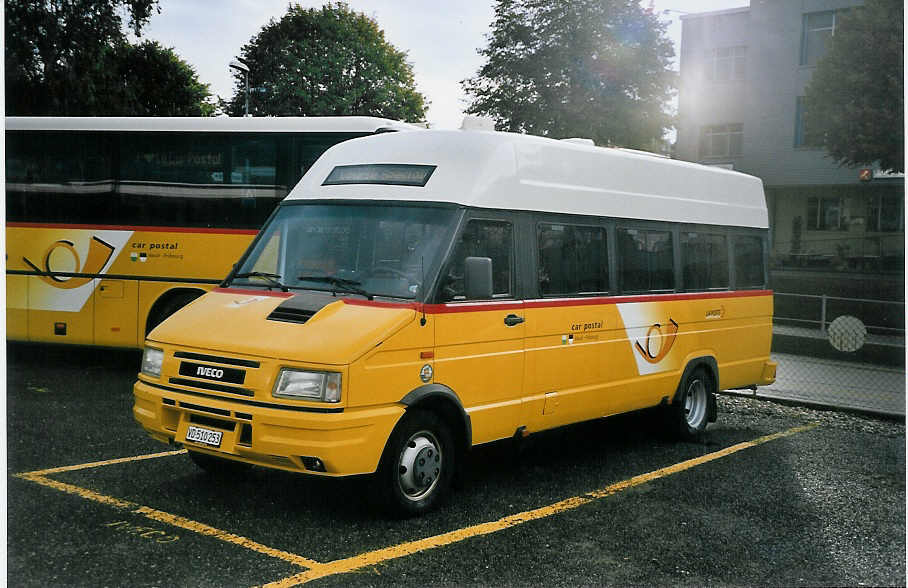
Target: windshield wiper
point(343, 284)
point(274, 280)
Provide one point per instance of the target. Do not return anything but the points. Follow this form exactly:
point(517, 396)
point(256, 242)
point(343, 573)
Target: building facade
point(743, 77)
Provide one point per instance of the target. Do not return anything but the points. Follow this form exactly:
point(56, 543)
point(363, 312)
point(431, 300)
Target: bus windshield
point(366, 249)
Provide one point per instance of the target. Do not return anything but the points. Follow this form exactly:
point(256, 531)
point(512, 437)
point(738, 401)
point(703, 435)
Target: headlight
point(322, 386)
point(151, 362)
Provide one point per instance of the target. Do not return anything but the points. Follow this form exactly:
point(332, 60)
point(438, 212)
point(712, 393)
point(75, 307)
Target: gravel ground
point(744, 408)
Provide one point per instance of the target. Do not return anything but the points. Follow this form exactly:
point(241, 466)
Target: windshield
point(371, 250)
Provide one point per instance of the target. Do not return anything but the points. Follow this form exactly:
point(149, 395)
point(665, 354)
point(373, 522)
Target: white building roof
point(287, 124)
point(521, 172)
point(723, 12)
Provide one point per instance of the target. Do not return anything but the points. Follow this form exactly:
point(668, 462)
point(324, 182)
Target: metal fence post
point(823, 314)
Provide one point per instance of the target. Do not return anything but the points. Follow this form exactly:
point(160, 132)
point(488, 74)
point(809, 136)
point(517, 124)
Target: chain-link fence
point(839, 352)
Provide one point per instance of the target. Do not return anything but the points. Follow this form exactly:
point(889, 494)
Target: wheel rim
point(419, 466)
point(695, 404)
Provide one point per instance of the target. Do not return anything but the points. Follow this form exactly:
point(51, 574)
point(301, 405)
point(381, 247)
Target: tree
point(151, 80)
point(327, 61)
point(587, 68)
point(855, 102)
point(72, 58)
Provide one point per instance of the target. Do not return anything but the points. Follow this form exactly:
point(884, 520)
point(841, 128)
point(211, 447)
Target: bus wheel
point(217, 466)
point(689, 414)
point(168, 308)
point(417, 465)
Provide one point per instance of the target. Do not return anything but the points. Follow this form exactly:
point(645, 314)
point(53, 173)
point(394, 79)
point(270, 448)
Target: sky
point(440, 38)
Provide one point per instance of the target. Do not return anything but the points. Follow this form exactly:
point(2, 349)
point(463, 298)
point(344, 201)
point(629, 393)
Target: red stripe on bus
point(556, 302)
point(253, 292)
point(473, 307)
point(543, 303)
point(134, 228)
point(380, 304)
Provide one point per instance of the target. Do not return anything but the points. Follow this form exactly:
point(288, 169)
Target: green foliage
point(72, 58)
point(151, 80)
point(326, 62)
point(855, 100)
point(585, 68)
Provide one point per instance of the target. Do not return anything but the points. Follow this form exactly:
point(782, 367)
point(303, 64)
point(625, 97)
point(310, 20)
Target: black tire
point(690, 413)
point(416, 469)
point(218, 467)
point(169, 307)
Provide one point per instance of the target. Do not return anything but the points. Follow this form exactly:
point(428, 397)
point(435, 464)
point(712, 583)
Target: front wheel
point(417, 465)
point(689, 414)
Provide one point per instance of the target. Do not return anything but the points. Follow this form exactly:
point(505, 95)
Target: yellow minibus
point(418, 294)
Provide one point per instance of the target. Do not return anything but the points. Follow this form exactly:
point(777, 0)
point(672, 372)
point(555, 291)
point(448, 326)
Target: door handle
point(513, 319)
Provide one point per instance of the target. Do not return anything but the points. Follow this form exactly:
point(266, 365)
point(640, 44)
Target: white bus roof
point(521, 172)
point(288, 124)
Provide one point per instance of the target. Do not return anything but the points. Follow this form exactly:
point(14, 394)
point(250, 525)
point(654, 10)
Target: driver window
point(482, 238)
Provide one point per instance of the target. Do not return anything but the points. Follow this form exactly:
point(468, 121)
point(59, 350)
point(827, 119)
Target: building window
point(817, 28)
point(572, 259)
point(803, 137)
point(726, 64)
point(721, 140)
point(886, 213)
point(824, 214)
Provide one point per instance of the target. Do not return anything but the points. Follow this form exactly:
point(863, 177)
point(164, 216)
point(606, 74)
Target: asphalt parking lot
point(773, 495)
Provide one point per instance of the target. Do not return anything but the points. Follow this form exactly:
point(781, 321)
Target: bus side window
point(572, 259)
point(645, 260)
point(748, 251)
point(481, 238)
point(704, 261)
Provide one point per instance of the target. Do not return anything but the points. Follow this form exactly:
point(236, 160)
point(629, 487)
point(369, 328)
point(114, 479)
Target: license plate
point(204, 436)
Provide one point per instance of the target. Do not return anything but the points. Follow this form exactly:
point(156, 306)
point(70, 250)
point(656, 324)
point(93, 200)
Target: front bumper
point(347, 443)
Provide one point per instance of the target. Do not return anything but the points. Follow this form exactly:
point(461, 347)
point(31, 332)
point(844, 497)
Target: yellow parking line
point(39, 477)
point(96, 464)
point(202, 529)
point(380, 555)
point(83, 492)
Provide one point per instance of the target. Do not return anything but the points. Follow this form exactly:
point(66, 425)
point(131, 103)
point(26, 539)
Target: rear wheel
point(418, 464)
point(216, 466)
point(689, 414)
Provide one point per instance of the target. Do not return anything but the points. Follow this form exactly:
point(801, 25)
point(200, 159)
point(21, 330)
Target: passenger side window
point(645, 260)
point(704, 261)
point(572, 259)
point(749, 262)
point(482, 238)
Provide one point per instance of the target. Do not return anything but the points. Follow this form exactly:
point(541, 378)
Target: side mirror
point(477, 278)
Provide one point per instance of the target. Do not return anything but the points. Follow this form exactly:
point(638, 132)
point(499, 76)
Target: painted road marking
point(320, 570)
point(362, 560)
point(97, 464)
point(149, 533)
point(40, 477)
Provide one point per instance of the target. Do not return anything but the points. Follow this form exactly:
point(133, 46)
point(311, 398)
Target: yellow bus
point(418, 294)
point(114, 223)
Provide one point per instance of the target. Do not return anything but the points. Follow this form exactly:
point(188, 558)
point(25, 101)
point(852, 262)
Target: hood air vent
point(290, 315)
point(297, 309)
